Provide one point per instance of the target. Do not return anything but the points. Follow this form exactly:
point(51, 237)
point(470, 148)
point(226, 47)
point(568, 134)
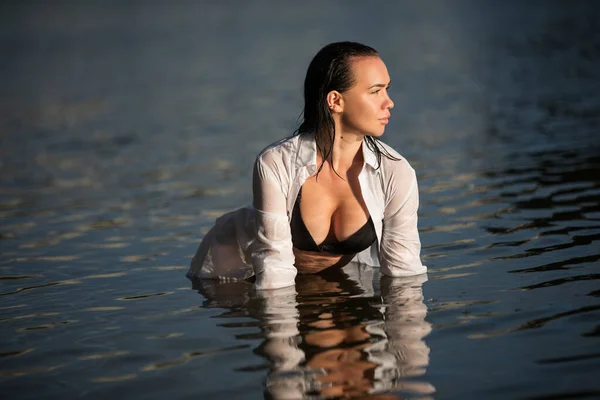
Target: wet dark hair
point(331, 69)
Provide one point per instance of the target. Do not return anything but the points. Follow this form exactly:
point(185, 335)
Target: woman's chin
point(377, 133)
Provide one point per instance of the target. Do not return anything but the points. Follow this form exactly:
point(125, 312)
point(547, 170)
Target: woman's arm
point(272, 254)
point(399, 254)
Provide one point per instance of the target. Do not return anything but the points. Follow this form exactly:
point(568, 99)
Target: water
point(125, 129)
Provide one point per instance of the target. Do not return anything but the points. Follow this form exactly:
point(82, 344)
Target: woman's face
point(366, 106)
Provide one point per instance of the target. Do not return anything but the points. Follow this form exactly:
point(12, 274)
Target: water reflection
point(346, 334)
point(120, 144)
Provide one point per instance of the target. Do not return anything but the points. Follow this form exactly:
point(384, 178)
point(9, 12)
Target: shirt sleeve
point(272, 253)
point(399, 254)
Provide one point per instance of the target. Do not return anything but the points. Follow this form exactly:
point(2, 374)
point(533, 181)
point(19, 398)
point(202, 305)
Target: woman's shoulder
point(279, 153)
point(396, 173)
point(282, 147)
point(278, 157)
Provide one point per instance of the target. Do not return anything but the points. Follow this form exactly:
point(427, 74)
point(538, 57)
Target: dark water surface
point(126, 128)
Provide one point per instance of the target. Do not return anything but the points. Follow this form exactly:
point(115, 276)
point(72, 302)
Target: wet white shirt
point(258, 239)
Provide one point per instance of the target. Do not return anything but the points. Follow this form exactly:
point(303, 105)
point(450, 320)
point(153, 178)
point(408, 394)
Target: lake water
point(126, 128)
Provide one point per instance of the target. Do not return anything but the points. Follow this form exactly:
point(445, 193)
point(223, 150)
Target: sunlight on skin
point(310, 262)
point(357, 112)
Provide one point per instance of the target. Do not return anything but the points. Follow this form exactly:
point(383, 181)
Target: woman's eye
point(376, 91)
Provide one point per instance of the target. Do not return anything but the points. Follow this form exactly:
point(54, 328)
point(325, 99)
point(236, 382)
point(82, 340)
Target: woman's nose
point(389, 104)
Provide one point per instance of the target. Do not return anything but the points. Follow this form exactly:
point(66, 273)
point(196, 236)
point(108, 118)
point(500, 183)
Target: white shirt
point(258, 239)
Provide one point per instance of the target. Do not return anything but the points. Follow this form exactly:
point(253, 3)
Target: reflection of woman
point(334, 337)
point(328, 195)
point(351, 347)
point(402, 353)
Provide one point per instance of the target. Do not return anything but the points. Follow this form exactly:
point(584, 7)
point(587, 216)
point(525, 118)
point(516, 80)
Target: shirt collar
point(307, 153)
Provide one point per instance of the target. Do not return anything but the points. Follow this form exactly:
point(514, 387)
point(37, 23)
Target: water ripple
point(556, 282)
point(568, 359)
point(43, 285)
point(190, 356)
point(144, 296)
point(108, 181)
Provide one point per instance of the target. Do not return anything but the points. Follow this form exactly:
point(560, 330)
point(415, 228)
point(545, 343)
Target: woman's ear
point(335, 101)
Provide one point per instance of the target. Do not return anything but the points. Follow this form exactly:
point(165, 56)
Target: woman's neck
point(346, 150)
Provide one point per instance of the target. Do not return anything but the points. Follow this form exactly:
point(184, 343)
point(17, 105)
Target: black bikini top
point(302, 240)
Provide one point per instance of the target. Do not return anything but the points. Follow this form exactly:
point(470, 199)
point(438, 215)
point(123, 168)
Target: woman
point(330, 194)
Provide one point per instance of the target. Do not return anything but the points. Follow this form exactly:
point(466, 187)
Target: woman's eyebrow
point(381, 85)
